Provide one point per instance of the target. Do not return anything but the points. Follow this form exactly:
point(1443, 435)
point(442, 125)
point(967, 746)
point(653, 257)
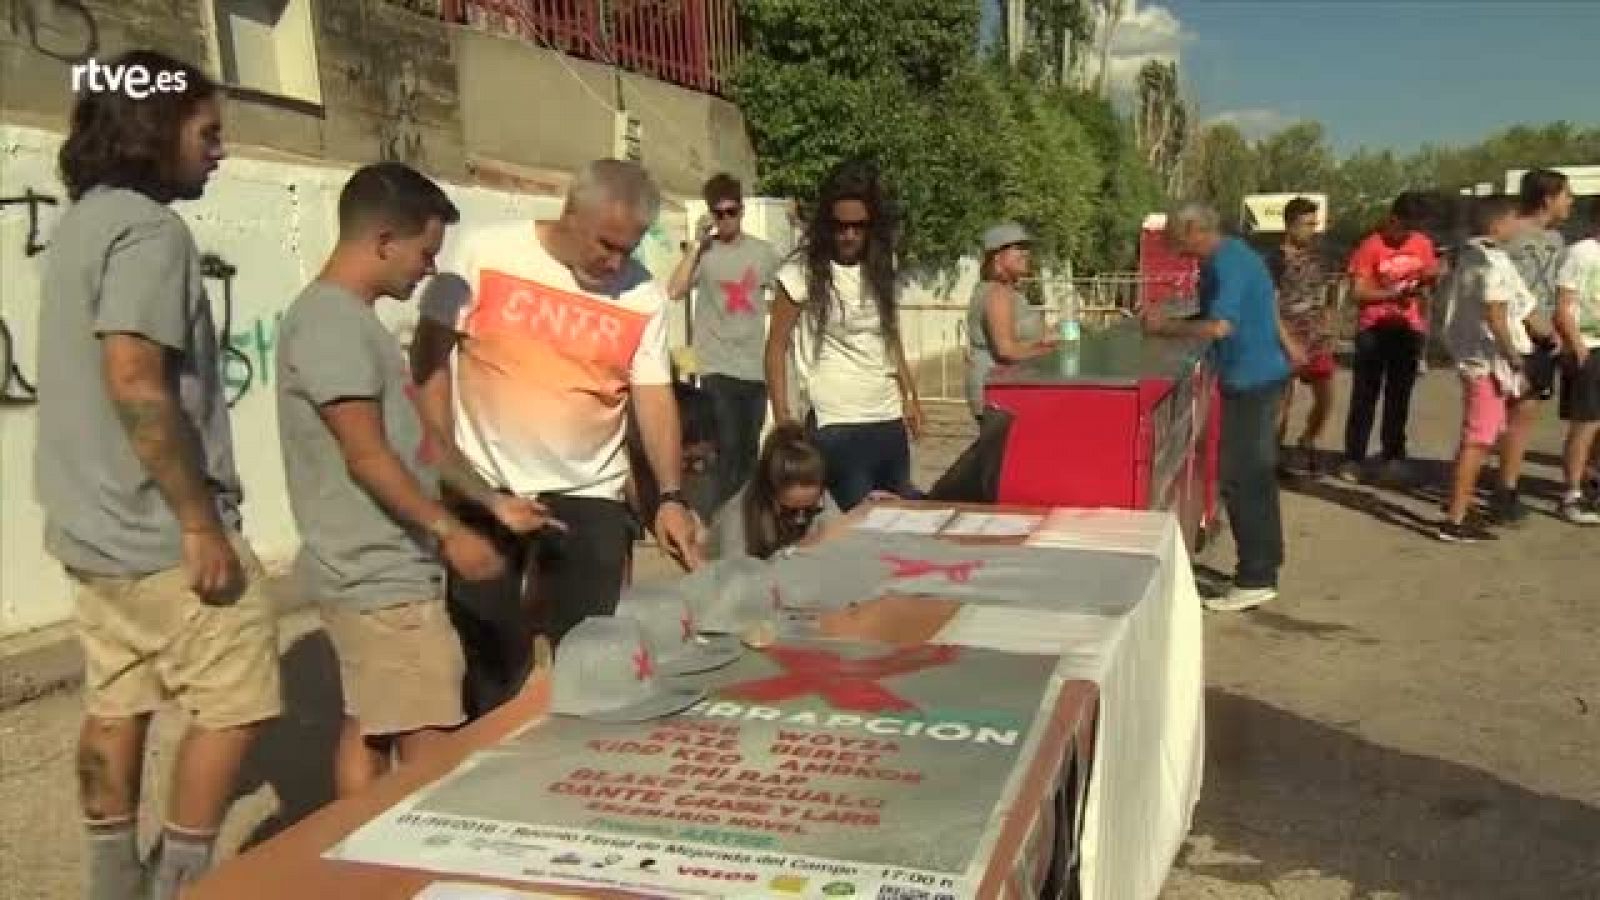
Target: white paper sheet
point(906, 521)
point(970, 524)
point(462, 890)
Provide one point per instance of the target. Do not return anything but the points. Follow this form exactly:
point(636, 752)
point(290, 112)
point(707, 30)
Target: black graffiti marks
point(63, 30)
point(238, 372)
point(33, 200)
point(15, 388)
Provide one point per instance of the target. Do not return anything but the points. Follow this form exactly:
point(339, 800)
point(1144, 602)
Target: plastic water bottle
point(1069, 326)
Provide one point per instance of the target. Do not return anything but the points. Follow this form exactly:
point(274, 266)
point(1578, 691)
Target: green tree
point(1294, 159)
point(962, 142)
point(1221, 170)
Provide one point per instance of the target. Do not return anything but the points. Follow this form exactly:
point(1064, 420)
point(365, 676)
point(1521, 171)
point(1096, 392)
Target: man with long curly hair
point(835, 312)
point(134, 467)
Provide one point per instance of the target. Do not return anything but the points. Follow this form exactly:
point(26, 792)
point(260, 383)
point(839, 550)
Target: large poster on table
point(816, 769)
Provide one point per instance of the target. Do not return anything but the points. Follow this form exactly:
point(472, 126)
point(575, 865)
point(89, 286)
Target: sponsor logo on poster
point(789, 884)
point(901, 892)
point(715, 874)
point(839, 889)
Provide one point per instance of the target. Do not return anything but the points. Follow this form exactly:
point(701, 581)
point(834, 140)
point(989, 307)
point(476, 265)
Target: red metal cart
point(1115, 419)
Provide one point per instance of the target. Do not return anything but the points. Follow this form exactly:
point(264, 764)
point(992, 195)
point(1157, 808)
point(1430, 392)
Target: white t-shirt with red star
point(732, 298)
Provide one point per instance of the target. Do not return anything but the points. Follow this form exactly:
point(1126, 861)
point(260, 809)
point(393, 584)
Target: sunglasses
point(844, 226)
point(804, 514)
point(728, 212)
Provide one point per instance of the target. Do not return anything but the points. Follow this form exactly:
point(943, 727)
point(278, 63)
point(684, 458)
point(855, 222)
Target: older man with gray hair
point(536, 338)
point(1252, 353)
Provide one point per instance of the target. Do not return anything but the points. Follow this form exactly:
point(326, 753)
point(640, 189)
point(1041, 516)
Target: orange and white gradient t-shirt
point(543, 369)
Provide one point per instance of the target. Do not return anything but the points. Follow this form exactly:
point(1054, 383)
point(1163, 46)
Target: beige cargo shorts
point(401, 666)
point(149, 639)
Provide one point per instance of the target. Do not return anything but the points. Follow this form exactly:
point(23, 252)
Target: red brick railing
point(691, 43)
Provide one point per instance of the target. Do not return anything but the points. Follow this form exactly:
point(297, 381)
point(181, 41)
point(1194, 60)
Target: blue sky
point(1381, 73)
point(1391, 73)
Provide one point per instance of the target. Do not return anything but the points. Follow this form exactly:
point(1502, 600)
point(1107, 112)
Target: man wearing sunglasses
point(730, 272)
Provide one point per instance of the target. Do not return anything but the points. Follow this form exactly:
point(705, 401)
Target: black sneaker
point(1507, 508)
point(1468, 532)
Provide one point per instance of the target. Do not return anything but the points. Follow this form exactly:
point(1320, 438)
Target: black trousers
point(552, 582)
point(741, 409)
point(1386, 361)
point(1250, 482)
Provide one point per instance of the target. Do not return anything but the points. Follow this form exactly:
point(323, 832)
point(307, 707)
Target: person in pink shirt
point(1392, 270)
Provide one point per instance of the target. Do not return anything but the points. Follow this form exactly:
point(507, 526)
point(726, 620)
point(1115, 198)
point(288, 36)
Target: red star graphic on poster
point(426, 453)
point(741, 294)
point(854, 685)
point(956, 573)
point(644, 667)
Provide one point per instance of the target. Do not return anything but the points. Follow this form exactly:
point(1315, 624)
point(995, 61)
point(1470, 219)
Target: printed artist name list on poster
point(707, 783)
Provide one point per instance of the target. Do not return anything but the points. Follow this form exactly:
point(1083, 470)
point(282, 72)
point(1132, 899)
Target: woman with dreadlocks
point(835, 311)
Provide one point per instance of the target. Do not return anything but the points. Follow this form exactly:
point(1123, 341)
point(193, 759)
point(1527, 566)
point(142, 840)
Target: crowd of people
point(1517, 311)
point(491, 487)
point(452, 505)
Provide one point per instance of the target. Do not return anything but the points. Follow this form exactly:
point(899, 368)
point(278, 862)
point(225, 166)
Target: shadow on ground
point(1285, 795)
point(294, 757)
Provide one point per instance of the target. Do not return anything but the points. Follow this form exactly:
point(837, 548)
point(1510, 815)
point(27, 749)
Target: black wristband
point(671, 497)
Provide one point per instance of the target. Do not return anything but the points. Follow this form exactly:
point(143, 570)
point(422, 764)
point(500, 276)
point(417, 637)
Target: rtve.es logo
point(133, 79)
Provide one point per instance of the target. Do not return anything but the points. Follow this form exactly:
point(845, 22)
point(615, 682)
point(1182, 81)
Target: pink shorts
point(1484, 417)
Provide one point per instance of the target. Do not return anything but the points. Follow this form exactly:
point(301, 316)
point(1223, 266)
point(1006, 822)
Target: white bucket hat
point(1004, 235)
point(605, 670)
point(667, 619)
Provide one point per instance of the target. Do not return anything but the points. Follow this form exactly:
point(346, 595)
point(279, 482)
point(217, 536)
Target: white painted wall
point(276, 223)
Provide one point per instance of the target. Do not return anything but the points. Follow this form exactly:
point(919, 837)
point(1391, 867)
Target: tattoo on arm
point(165, 442)
point(145, 399)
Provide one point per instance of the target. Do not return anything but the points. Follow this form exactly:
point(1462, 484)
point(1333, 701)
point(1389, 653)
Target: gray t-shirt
point(332, 346)
point(732, 296)
point(120, 262)
point(1026, 320)
point(726, 537)
point(1536, 252)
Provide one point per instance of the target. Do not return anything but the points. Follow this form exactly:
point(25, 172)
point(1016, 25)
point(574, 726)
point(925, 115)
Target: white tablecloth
point(1148, 663)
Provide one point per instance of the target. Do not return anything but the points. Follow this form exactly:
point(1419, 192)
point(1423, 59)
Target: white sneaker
point(1577, 512)
point(1239, 599)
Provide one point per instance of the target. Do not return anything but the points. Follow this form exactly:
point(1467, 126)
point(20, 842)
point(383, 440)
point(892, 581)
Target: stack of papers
point(972, 524)
point(1114, 530)
point(905, 521)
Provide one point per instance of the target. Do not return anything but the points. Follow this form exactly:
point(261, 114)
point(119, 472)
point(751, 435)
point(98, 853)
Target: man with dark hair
point(360, 488)
point(1578, 323)
point(1535, 245)
point(731, 273)
point(836, 312)
point(1301, 277)
point(538, 341)
point(134, 468)
point(1485, 334)
point(1393, 268)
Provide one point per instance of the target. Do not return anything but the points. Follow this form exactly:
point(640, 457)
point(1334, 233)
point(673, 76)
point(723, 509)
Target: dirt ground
point(1412, 719)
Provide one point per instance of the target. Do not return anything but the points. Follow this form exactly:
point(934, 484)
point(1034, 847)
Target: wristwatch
point(671, 497)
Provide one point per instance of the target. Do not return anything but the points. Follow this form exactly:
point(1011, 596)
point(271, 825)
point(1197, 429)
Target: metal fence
point(690, 43)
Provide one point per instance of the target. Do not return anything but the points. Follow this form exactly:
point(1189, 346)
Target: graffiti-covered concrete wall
point(269, 226)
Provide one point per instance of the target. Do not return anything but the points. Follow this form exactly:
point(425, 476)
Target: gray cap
point(605, 670)
point(1004, 235)
point(667, 620)
point(731, 596)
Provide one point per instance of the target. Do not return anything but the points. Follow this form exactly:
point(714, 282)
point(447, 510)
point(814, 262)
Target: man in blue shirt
point(1253, 355)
